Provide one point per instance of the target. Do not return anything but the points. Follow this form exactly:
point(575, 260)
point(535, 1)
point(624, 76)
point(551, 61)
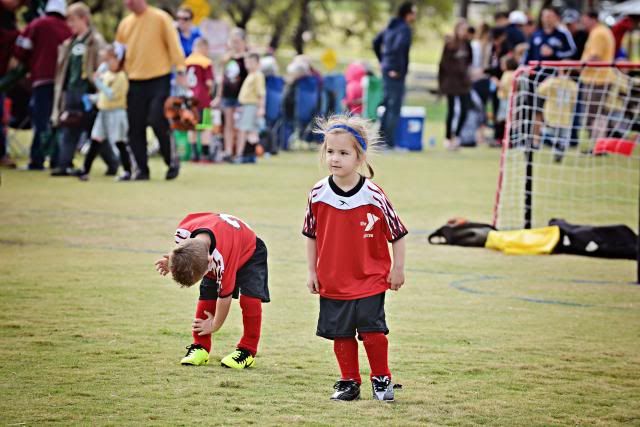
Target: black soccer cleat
point(346, 390)
point(382, 388)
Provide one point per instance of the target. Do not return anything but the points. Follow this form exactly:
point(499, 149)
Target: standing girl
point(111, 125)
point(348, 222)
point(235, 72)
point(454, 80)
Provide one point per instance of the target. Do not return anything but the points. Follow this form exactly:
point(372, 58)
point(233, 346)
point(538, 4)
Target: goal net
point(570, 149)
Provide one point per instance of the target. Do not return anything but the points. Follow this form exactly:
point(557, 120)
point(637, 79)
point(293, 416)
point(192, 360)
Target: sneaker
point(239, 359)
point(83, 177)
point(111, 172)
point(196, 356)
point(141, 177)
point(172, 173)
point(382, 388)
point(126, 176)
point(346, 390)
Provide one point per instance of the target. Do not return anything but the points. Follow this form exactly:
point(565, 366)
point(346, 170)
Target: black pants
point(145, 106)
point(465, 104)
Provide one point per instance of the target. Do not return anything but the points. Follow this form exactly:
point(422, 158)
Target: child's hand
point(162, 265)
point(396, 278)
point(312, 283)
point(203, 326)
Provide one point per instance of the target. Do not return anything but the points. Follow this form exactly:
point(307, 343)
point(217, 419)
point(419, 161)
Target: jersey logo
point(343, 203)
point(368, 226)
point(372, 219)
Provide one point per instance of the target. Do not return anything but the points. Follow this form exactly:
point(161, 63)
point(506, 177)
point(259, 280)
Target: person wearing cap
point(571, 19)
point(36, 47)
point(153, 51)
point(78, 60)
point(515, 36)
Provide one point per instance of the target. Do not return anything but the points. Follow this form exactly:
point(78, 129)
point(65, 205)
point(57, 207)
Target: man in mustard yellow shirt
point(595, 82)
point(153, 51)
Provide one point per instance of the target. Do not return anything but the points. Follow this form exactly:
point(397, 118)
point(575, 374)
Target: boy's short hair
point(189, 262)
point(81, 10)
point(255, 56)
point(201, 41)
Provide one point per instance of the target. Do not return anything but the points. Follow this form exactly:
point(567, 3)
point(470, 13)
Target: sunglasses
point(183, 18)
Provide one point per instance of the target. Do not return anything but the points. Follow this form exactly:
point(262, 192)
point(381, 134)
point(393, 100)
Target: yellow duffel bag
point(536, 241)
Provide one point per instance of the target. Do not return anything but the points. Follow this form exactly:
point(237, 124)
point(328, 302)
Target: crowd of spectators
point(480, 61)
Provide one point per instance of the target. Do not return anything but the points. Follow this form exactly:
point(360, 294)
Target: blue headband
point(353, 132)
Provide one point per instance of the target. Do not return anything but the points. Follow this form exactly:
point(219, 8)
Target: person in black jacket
point(392, 46)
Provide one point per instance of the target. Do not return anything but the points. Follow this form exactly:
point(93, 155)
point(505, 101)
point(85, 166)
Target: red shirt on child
point(232, 244)
point(199, 71)
point(352, 231)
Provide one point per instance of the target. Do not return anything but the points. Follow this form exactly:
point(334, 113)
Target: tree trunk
point(513, 4)
point(304, 25)
point(464, 8)
point(279, 26)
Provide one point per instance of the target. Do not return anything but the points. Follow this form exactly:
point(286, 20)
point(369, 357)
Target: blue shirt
point(392, 45)
point(559, 40)
point(187, 42)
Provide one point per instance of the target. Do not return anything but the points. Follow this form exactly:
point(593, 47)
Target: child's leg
point(205, 142)
point(252, 321)
point(229, 130)
point(204, 305)
point(124, 156)
point(94, 149)
point(241, 142)
point(346, 351)
point(377, 347)
point(192, 135)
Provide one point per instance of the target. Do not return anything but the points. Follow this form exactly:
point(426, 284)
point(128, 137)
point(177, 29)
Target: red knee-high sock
point(377, 347)
point(346, 350)
point(204, 305)
point(252, 320)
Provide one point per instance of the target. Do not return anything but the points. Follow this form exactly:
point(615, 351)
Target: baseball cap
point(570, 16)
point(56, 6)
point(517, 17)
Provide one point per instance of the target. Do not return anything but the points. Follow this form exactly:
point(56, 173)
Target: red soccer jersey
point(351, 231)
point(199, 71)
point(232, 244)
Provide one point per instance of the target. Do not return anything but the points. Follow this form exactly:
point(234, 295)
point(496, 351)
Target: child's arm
point(312, 259)
point(396, 276)
point(213, 323)
point(104, 88)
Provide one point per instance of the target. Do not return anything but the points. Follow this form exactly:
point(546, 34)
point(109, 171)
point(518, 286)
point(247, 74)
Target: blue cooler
point(410, 126)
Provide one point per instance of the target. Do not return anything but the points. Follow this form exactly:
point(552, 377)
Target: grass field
point(91, 335)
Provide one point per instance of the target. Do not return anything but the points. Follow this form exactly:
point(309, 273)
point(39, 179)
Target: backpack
point(610, 241)
point(460, 232)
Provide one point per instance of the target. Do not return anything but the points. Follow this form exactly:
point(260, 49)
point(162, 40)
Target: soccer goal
point(571, 146)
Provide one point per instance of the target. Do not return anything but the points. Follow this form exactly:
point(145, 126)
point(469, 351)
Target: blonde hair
point(81, 10)
point(189, 262)
point(363, 127)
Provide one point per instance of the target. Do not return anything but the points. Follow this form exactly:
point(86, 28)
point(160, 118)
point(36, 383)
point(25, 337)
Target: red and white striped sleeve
point(309, 226)
point(395, 229)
